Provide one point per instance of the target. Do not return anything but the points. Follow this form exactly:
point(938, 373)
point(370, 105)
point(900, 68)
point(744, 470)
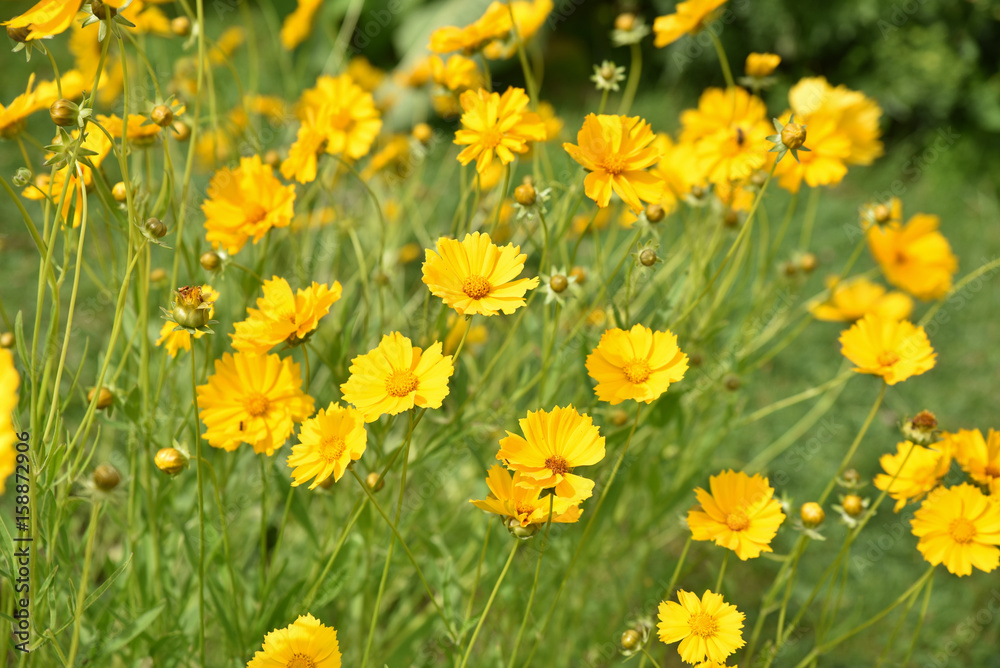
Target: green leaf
point(132, 631)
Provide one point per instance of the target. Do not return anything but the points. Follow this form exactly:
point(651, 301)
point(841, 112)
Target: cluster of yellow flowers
point(9, 382)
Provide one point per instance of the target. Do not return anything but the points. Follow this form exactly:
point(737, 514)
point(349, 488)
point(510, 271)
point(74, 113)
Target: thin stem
point(489, 603)
point(264, 508)
point(677, 569)
point(201, 509)
point(854, 446)
point(503, 196)
point(920, 620)
point(81, 592)
point(632, 85)
point(534, 585)
point(722, 573)
point(723, 60)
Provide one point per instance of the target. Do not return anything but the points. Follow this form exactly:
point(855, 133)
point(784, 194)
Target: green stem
point(81, 592)
point(534, 585)
point(201, 508)
point(723, 60)
point(722, 572)
point(489, 603)
point(854, 446)
point(632, 85)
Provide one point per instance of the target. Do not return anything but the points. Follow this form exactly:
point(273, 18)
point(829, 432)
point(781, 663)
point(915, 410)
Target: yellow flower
point(299, 24)
point(328, 442)
point(306, 643)
point(855, 116)
point(395, 154)
point(729, 131)
point(364, 73)
point(141, 130)
point(245, 203)
point(760, 65)
point(855, 298)
point(553, 124)
point(554, 443)
point(740, 514)
point(283, 316)
point(512, 496)
point(616, 151)
point(301, 162)
point(493, 24)
point(960, 527)
point(529, 16)
point(253, 399)
point(978, 456)
point(46, 18)
point(457, 73)
point(12, 117)
point(914, 257)
point(477, 276)
point(689, 18)
point(496, 123)
point(708, 628)
point(893, 349)
point(230, 40)
point(175, 341)
point(678, 168)
point(9, 382)
point(824, 164)
point(916, 469)
point(396, 376)
point(638, 364)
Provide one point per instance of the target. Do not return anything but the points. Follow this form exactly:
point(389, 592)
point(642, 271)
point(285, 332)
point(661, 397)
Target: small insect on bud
point(625, 21)
point(579, 273)
point(374, 481)
point(812, 514)
point(881, 213)
point(102, 10)
point(423, 133)
point(182, 131)
point(731, 218)
point(162, 115)
point(851, 476)
point(158, 275)
point(63, 113)
point(119, 192)
point(631, 640)
point(104, 398)
point(558, 283)
point(106, 477)
point(170, 460)
point(808, 262)
point(518, 531)
point(654, 213)
point(793, 136)
point(19, 34)
point(156, 227)
point(647, 257)
point(210, 260)
point(853, 505)
point(272, 158)
point(181, 26)
point(733, 383)
point(525, 194)
point(7, 340)
point(619, 418)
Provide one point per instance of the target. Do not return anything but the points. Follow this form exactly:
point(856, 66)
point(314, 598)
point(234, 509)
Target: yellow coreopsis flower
point(916, 470)
point(9, 382)
point(306, 643)
point(282, 316)
point(554, 443)
point(978, 456)
point(760, 65)
point(495, 23)
point(176, 341)
point(13, 116)
point(854, 115)
point(458, 73)
point(46, 19)
point(253, 399)
point(959, 527)
point(616, 150)
point(679, 169)
point(140, 130)
point(529, 16)
point(855, 298)
point(740, 514)
point(475, 276)
point(396, 376)
point(298, 25)
point(914, 257)
point(824, 164)
point(637, 364)
point(509, 497)
point(729, 131)
point(231, 39)
point(494, 123)
point(707, 628)
point(893, 349)
point(688, 18)
point(245, 203)
point(328, 443)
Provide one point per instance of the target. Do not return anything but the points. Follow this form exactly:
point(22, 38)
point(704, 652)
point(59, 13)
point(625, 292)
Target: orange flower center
point(491, 138)
point(887, 358)
point(703, 625)
point(342, 119)
point(613, 164)
point(332, 448)
point(401, 383)
point(637, 371)
point(300, 661)
point(962, 530)
point(254, 213)
point(475, 286)
point(901, 257)
point(993, 470)
point(256, 404)
point(737, 520)
point(557, 464)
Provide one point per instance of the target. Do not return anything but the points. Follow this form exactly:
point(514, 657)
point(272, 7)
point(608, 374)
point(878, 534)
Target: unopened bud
point(922, 429)
point(654, 213)
point(102, 10)
point(375, 481)
point(158, 275)
point(119, 192)
point(517, 531)
point(558, 283)
point(625, 21)
point(579, 273)
point(851, 476)
point(524, 194)
point(182, 131)
point(170, 460)
point(104, 397)
point(812, 514)
point(190, 309)
point(619, 417)
point(631, 640)
point(733, 383)
point(7, 340)
point(106, 477)
point(19, 34)
point(881, 213)
point(22, 177)
point(808, 262)
point(156, 227)
point(162, 115)
point(181, 26)
point(210, 260)
point(63, 113)
point(272, 158)
point(731, 218)
point(647, 257)
point(793, 135)
point(853, 505)
point(423, 133)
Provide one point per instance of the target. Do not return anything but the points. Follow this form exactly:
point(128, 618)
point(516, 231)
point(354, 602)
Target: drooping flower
point(475, 276)
point(959, 527)
point(893, 349)
point(554, 443)
point(688, 18)
point(916, 470)
point(529, 16)
point(396, 376)
point(509, 497)
point(914, 257)
point(740, 514)
point(616, 150)
point(46, 18)
point(9, 382)
point(855, 298)
point(253, 399)
point(245, 203)
point(637, 364)
point(306, 643)
point(298, 25)
point(176, 340)
point(978, 456)
point(707, 628)
point(328, 442)
point(494, 24)
point(283, 316)
point(494, 123)
point(728, 131)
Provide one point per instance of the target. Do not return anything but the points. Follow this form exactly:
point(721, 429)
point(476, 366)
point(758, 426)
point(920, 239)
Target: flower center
point(401, 383)
point(993, 470)
point(300, 661)
point(475, 286)
point(342, 119)
point(254, 213)
point(332, 448)
point(256, 404)
point(901, 257)
point(637, 371)
point(737, 520)
point(557, 464)
point(962, 530)
point(887, 358)
point(491, 138)
point(703, 624)
point(613, 164)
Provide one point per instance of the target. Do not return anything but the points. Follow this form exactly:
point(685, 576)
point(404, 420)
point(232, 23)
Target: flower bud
point(524, 194)
point(579, 273)
point(102, 10)
point(631, 640)
point(853, 505)
point(760, 65)
point(808, 262)
point(182, 131)
point(758, 178)
point(731, 218)
point(156, 227)
point(654, 212)
point(410, 252)
point(517, 531)
point(63, 113)
point(851, 476)
point(22, 177)
point(619, 417)
point(558, 283)
point(607, 71)
point(181, 26)
point(210, 260)
point(793, 136)
point(106, 477)
point(162, 115)
point(170, 460)
point(922, 429)
point(812, 514)
point(695, 359)
point(647, 257)
point(328, 482)
point(119, 192)
point(158, 275)
point(625, 21)
point(789, 269)
point(423, 133)
point(7, 340)
point(272, 158)
point(190, 308)
point(104, 398)
point(881, 213)
point(19, 34)
point(375, 481)
point(733, 383)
